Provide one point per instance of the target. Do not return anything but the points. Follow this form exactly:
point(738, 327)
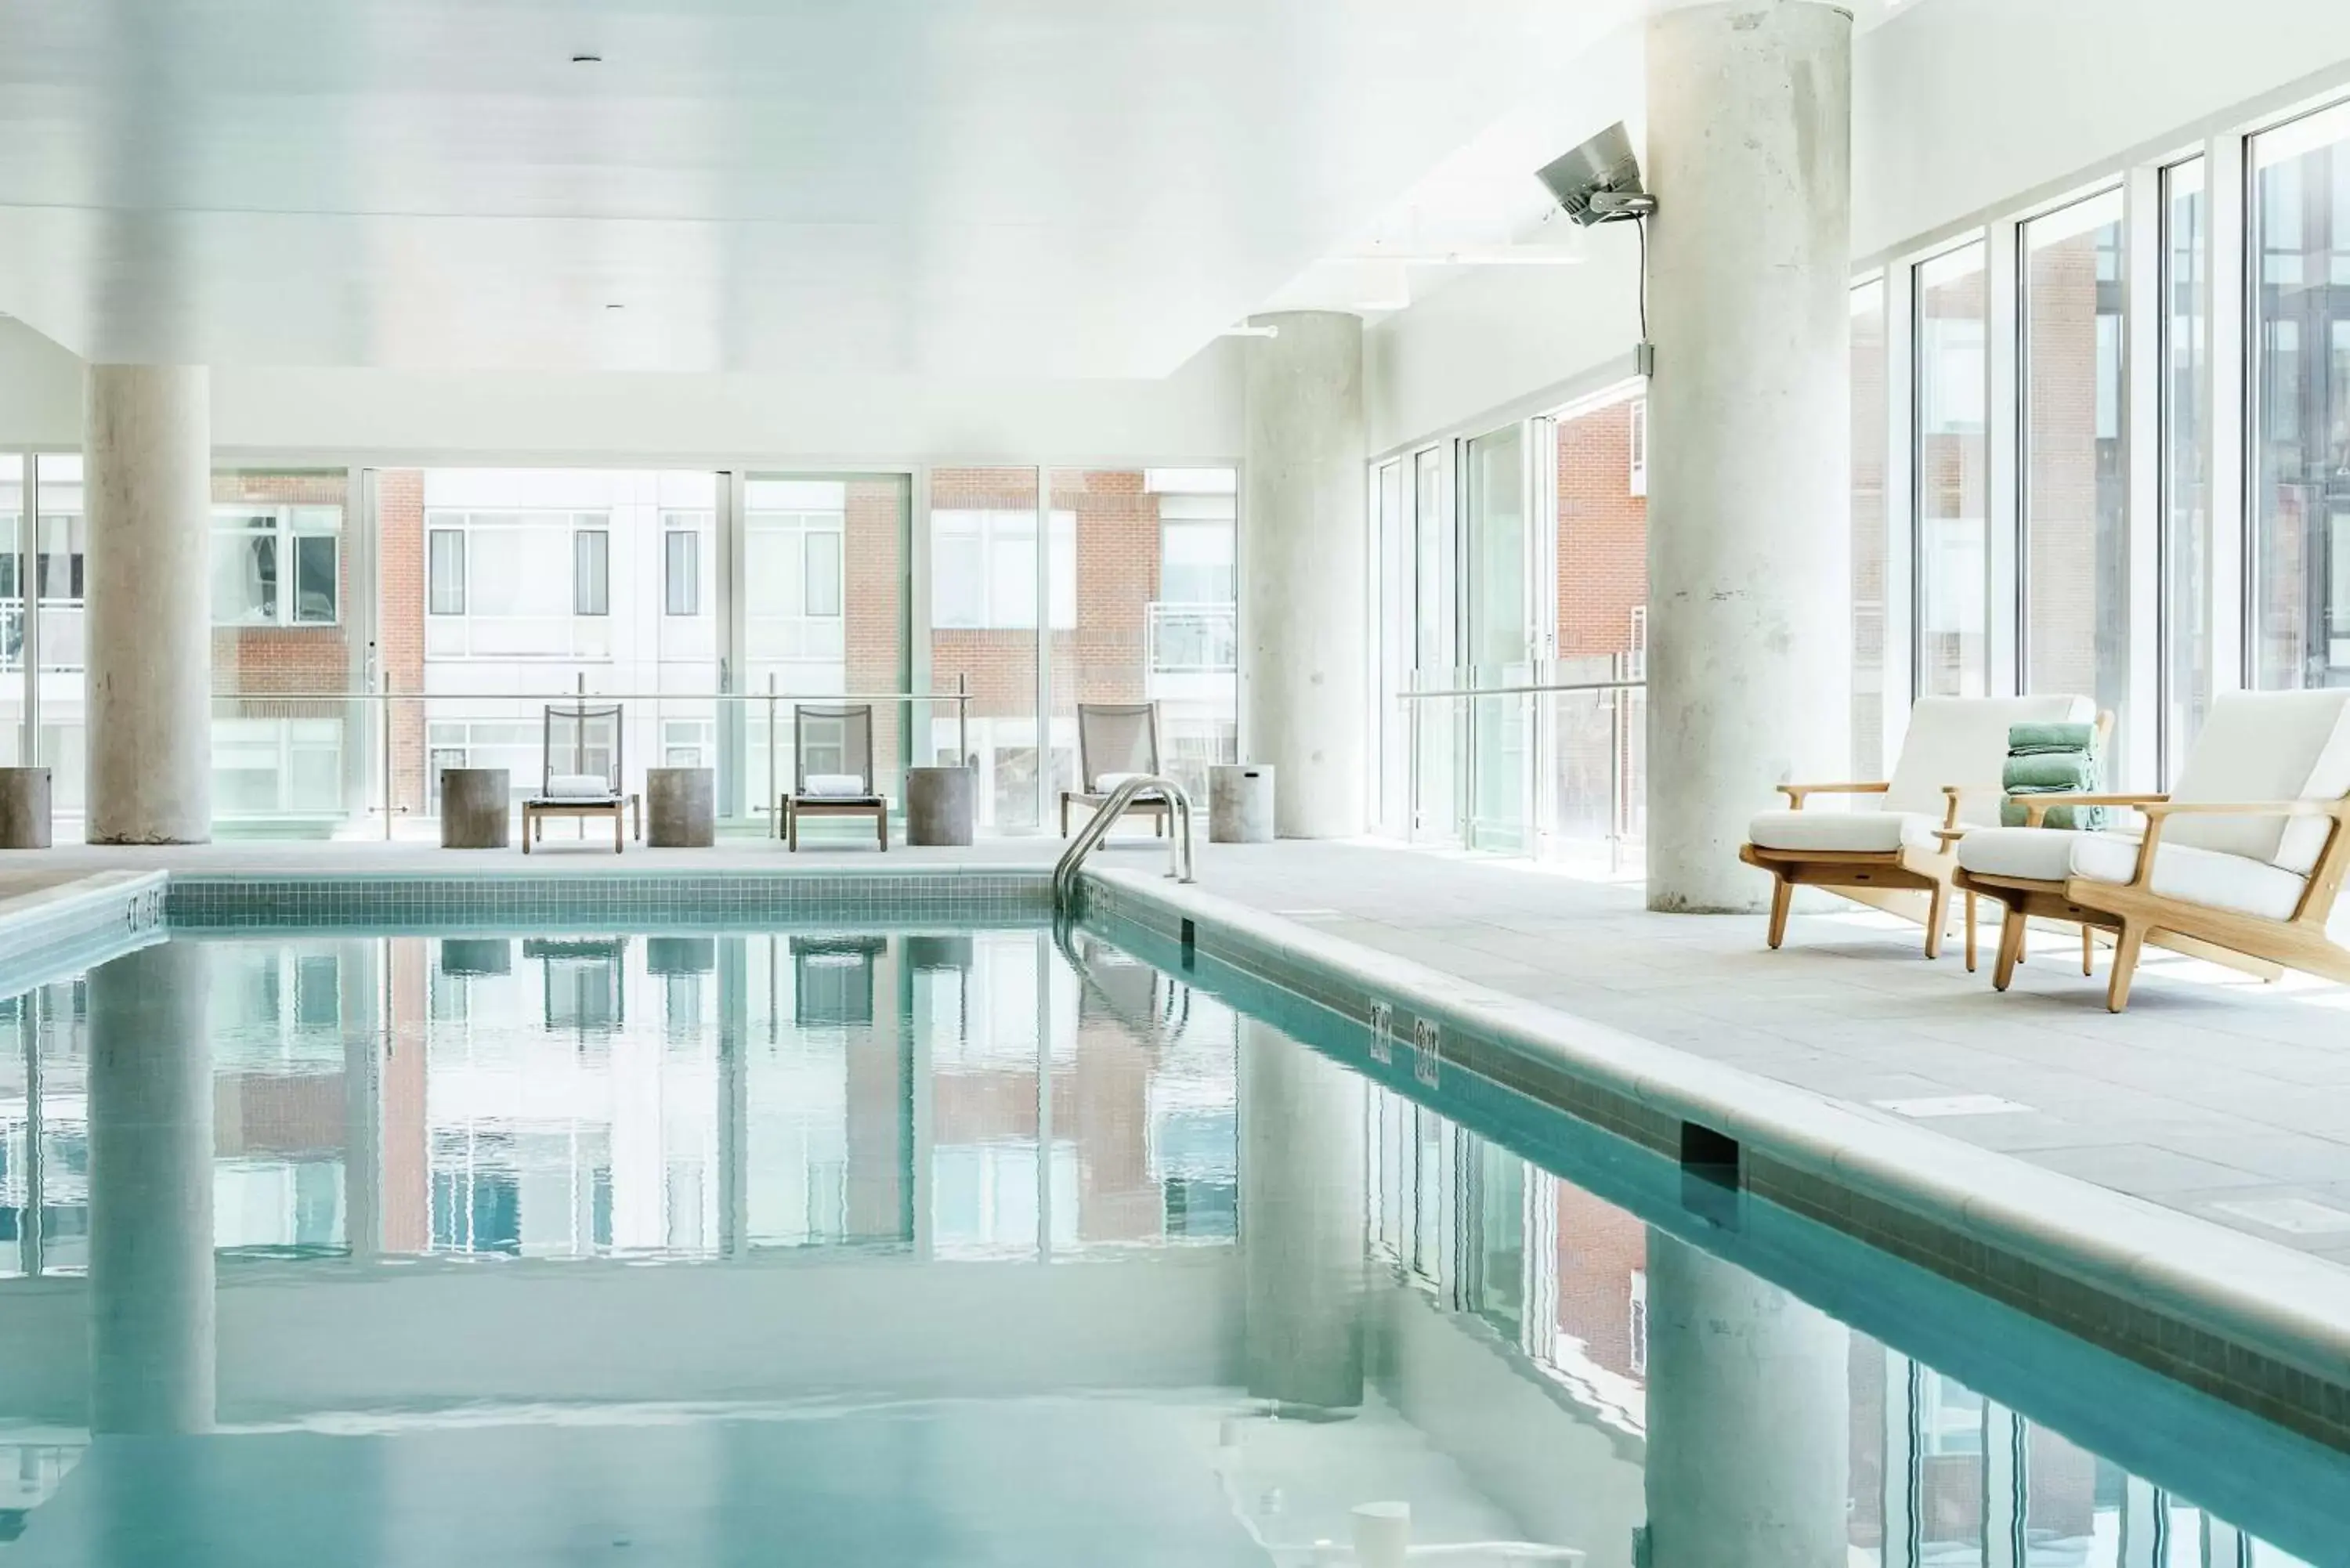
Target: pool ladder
point(1089, 838)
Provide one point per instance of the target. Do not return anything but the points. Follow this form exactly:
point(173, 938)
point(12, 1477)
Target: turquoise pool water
point(940, 1246)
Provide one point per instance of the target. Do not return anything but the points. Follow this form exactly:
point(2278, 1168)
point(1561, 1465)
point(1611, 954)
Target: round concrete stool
point(476, 808)
point(1239, 803)
point(24, 808)
point(938, 805)
point(681, 808)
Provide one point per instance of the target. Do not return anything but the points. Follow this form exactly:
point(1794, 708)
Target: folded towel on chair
point(580, 786)
point(2074, 773)
point(835, 786)
point(2031, 739)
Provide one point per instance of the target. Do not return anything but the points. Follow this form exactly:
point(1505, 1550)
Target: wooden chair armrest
point(2036, 807)
point(1797, 794)
point(1951, 835)
point(2333, 808)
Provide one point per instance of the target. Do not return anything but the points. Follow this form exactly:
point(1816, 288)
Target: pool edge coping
point(2254, 1292)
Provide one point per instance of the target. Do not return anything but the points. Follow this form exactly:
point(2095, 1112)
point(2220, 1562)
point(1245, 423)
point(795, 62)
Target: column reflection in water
point(1748, 1420)
point(151, 1252)
point(1302, 1222)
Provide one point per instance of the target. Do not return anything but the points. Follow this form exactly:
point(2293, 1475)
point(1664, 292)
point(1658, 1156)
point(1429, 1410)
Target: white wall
point(1967, 104)
point(1960, 107)
point(412, 416)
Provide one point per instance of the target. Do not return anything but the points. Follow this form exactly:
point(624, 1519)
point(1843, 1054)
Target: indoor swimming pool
point(935, 1244)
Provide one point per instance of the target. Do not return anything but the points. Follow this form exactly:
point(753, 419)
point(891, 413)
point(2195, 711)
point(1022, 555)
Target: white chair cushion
point(835, 785)
point(578, 786)
point(1963, 740)
point(2266, 747)
point(1844, 831)
point(1106, 782)
point(2190, 875)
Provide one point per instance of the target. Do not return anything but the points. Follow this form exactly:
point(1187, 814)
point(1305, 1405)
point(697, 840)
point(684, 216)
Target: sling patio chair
point(1947, 778)
point(832, 771)
point(582, 772)
point(1115, 741)
point(2240, 864)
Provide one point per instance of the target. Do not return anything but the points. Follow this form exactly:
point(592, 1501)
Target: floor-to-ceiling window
point(2299, 620)
point(2075, 548)
point(1438, 725)
point(1597, 738)
point(986, 593)
point(1499, 641)
point(1952, 475)
point(1869, 521)
point(2187, 436)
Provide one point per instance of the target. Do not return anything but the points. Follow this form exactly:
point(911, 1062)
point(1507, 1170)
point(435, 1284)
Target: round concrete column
point(1749, 1419)
point(1302, 1222)
point(1305, 554)
point(1750, 473)
point(150, 1193)
point(147, 436)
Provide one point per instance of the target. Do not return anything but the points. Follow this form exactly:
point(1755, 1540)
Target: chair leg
point(2088, 950)
point(792, 832)
point(882, 823)
point(1970, 930)
point(1937, 917)
point(619, 831)
point(525, 830)
point(2126, 946)
point(1064, 817)
point(1782, 898)
point(2011, 948)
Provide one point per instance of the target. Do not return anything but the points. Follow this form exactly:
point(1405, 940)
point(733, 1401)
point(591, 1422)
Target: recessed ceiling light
point(615, 305)
point(587, 59)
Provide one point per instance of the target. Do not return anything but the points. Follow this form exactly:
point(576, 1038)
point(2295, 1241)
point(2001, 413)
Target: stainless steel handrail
point(1089, 838)
point(1526, 691)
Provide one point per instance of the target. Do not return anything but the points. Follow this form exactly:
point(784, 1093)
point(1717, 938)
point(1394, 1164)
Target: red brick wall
point(1603, 534)
point(400, 563)
point(257, 660)
point(873, 575)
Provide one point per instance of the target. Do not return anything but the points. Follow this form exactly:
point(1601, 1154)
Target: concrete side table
point(24, 808)
point(938, 804)
point(680, 808)
point(1239, 803)
point(476, 808)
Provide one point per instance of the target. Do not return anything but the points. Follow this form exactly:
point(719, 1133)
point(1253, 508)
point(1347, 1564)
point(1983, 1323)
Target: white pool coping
point(2284, 1304)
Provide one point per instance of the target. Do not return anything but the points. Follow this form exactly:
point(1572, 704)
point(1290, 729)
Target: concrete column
point(150, 1193)
point(1304, 556)
point(1749, 1419)
point(1302, 1222)
point(148, 435)
point(1750, 473)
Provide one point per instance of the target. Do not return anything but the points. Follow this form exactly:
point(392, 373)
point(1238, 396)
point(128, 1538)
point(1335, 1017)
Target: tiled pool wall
point(222, 902)
point(2304, 1387)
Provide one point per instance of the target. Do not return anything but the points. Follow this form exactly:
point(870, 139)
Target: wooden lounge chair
point(581, 774)
point(1948, 777)
point(832, 771)
point(1115, 741)
point(2240, 864)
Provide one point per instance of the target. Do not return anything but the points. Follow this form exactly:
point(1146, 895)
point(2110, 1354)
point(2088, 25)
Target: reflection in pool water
point(944, 1247)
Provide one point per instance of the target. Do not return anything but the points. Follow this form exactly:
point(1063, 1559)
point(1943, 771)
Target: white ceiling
point(943, 187)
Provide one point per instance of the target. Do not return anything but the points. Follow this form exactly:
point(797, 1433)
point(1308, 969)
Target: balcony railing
point(1193, 638)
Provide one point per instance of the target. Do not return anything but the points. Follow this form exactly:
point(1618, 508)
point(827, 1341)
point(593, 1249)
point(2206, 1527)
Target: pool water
point(966, 1247)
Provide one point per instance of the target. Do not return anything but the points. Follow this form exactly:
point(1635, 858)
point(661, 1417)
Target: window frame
point(289, 524)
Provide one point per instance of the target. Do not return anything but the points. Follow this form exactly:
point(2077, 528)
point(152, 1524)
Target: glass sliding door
point(1391, 622)
point(2187, 649)
point(1869, 519)
point(2075, 546)
point(1499, 642)
point(15, 667)
point(988, 598)
point(2300, 564)
point(1438, 727)
point(1598, 514)
point(1952, 476)
point(824, 608)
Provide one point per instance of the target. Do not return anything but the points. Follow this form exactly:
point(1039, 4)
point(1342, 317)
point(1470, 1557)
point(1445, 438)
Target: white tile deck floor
point(2214, 1094)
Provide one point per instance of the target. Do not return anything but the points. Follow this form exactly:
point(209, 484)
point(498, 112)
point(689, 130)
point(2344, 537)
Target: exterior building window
point(823, 576)
point(984, 570)
point(256, 551)
point(2075, 545)
point(445, 552)
point(681, 570)
point(1639, 444)
point(1868, 524)
point(2299, 567)
point(592, 580)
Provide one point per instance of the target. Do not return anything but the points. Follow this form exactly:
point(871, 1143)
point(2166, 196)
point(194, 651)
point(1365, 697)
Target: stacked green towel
point(2035, 740)
point(2052, 759)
